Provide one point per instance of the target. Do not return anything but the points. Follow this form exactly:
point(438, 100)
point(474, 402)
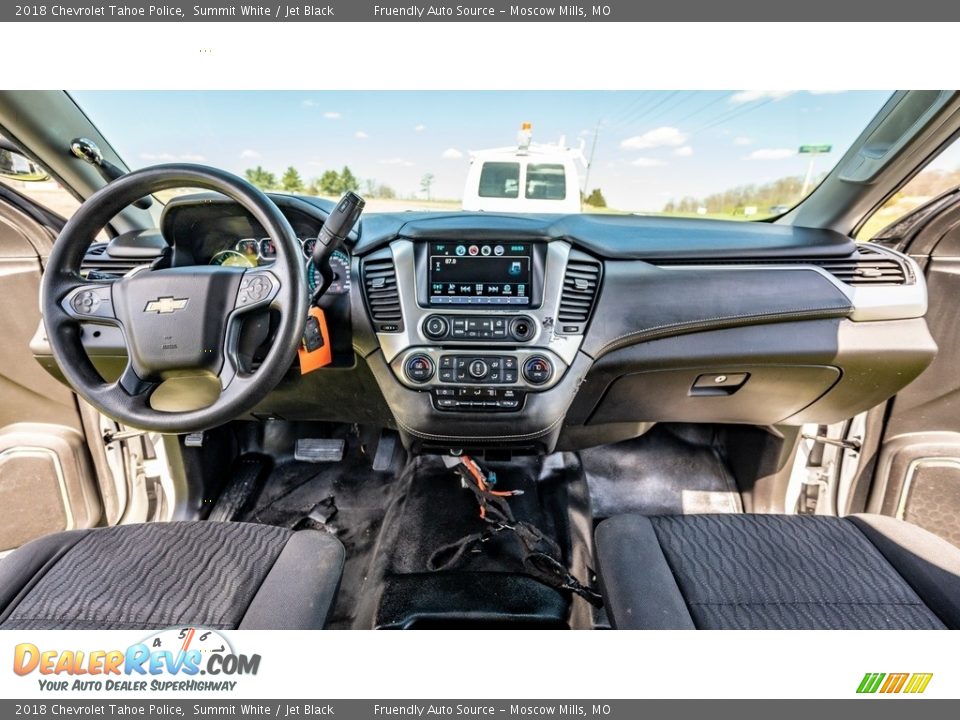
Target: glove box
point(757, 395)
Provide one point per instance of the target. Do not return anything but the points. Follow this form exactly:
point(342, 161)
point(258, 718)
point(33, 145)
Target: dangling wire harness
point(540, 553)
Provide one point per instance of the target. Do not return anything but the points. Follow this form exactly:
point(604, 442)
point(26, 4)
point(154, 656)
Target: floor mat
point(489, 586)
point(351, 500)
point(671, 470)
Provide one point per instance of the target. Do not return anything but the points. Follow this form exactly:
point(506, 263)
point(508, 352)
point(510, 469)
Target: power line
point(699, 110)
point(736, 113)
point(640, 116)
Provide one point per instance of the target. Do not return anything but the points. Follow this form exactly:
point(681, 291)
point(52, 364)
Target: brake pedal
point(319, 450)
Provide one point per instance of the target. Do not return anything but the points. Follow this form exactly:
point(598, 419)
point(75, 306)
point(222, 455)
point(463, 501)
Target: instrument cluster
point(253, 252)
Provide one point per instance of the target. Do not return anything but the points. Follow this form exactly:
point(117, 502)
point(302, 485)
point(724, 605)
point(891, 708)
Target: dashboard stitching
point(656, 330)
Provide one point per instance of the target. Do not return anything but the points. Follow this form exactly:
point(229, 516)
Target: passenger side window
point(939, 176)
point(546, 182)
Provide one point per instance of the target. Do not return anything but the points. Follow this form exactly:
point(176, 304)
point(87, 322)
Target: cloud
point(772, 154)
point(685, 151)
point(170, 157)
point(747, 96)
point(331, 115)
point(249, 154)
point(360, 135)
point(451, 154)
point(419, 128)
point(310, 103)
point(665, 136)
point(397, 161)
point(742, 140)
point(646, 162)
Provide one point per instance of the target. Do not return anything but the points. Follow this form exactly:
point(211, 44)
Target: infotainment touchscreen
point(480, 273)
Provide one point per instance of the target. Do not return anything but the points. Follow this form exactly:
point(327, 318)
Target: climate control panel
point(471, 380)
point(485, 369)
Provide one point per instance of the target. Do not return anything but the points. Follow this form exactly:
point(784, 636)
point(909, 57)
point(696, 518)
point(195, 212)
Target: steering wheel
point(180, 325)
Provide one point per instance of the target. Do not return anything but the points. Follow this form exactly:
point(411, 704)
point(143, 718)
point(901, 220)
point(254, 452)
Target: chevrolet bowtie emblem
point(166, 305)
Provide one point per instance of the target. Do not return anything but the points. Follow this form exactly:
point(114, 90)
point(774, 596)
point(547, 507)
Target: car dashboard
point(476, 331)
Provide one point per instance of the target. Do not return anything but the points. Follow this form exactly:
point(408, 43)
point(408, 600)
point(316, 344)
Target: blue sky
point(652, 145)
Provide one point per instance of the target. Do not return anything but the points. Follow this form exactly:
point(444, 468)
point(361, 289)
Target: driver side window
point(31, 180)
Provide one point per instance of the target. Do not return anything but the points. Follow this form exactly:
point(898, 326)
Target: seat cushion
point(776, 572)
point(222, 575)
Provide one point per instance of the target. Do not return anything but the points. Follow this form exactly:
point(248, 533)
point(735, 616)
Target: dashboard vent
point(99, 265)
point(867, 267)
point(580, 284)
point(383, 299)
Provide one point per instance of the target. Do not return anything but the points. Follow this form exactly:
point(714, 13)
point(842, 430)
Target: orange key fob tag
point(315, 351)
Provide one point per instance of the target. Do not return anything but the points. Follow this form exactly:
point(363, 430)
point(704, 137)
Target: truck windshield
point(732, 154)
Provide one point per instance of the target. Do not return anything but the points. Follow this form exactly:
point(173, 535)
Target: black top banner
point(739, 11)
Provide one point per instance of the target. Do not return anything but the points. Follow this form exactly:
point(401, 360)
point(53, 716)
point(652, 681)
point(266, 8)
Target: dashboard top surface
point(608, 236)
point(614, 236)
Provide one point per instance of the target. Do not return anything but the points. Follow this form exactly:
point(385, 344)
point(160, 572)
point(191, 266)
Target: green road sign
point(815, 149)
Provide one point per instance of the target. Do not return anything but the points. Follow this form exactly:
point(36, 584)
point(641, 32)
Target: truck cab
point(528, 178)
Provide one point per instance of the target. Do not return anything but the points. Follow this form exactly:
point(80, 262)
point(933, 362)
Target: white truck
point(528, 178)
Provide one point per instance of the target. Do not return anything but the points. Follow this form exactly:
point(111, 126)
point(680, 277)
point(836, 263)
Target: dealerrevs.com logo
point(179, 659)
point(894, 683)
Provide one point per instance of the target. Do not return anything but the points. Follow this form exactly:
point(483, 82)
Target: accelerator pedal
point(387, 448)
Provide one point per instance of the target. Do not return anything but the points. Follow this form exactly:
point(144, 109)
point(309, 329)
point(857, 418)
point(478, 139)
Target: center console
point(479, 327)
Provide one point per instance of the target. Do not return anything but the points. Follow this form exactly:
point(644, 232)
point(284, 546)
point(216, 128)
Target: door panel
point(918, 470)
point(47, 482)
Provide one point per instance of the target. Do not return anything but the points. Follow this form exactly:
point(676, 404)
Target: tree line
point(785, 191)
point(330, 182)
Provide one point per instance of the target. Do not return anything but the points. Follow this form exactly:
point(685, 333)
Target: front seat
point(719, 572)
point(219, 575)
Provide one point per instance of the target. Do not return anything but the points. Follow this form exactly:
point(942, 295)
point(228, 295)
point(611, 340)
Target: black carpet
point(671, 470)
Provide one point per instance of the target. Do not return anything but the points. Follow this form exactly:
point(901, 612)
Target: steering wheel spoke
point(135, 386)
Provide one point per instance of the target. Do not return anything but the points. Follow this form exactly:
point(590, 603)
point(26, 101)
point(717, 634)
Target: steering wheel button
point(85, 302)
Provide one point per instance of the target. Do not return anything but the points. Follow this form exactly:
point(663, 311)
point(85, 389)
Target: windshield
point(743, 155)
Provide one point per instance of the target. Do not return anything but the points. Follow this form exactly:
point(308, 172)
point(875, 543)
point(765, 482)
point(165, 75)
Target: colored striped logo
point(887, 683)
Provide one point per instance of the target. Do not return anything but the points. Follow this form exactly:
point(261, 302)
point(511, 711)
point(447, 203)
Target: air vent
point(98, 265)
point(383, 299)
point(580, 285)
point(867, 267)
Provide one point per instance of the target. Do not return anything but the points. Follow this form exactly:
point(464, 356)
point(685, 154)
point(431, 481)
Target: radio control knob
point(537, 370)
point(478, 369)
point(435, 327)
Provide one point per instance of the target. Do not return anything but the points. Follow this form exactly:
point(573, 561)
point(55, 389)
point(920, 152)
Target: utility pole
point(593, 149)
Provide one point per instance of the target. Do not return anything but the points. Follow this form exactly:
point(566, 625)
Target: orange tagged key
point(315, 349)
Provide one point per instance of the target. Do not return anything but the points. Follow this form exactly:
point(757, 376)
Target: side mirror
point(14, 165)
